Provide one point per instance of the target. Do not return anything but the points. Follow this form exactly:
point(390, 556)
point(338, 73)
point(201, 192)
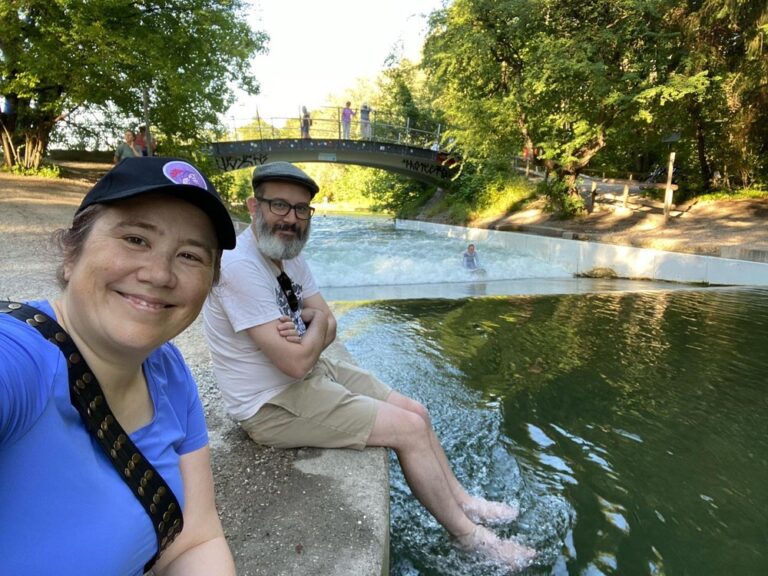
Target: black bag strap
point(87, 397)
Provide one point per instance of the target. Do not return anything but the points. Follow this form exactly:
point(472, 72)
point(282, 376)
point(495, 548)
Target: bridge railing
point(326, 124)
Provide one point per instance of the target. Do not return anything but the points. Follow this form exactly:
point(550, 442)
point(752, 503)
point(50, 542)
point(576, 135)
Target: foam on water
point(356, 251)
point(470, 430)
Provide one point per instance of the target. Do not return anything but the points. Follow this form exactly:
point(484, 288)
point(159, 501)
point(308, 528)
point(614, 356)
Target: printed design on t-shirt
point(285, 308)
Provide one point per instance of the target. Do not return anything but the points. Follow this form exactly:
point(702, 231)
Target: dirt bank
point(699, 228)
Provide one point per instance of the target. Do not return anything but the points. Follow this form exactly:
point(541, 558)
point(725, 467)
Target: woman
point(128, 148)
point(140, 257)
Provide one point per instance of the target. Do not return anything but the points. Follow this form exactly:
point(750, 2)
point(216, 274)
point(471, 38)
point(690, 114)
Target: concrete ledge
point(582, 257)
point(744, 253)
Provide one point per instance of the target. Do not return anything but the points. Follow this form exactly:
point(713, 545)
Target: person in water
point(471, 258)
point(267, 324)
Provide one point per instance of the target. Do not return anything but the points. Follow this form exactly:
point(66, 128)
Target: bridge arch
point(426, 165)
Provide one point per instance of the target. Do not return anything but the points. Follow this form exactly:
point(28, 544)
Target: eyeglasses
point(281, 208)
point(286, 285)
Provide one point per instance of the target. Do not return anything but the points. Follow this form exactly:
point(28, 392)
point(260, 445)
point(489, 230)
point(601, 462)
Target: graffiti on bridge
point(427, 168)
point(241, 161)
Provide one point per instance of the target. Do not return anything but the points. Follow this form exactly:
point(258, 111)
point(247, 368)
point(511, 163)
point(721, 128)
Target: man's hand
point(287, 329)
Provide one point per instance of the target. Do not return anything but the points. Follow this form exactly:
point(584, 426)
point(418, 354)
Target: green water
point(633, 428)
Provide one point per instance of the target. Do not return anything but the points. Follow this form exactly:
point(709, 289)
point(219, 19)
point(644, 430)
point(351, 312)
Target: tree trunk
point(8, 118)
point(9, 151)
point(701, 149)
point(26, 149)
point(35, 147)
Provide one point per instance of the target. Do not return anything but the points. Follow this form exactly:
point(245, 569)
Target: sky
point(317, 48)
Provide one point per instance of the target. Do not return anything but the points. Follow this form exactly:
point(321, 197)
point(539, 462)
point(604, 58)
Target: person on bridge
point(103, 441)
point(365, 121)
point(267, 324)
point(346, 120)
point(306, 122)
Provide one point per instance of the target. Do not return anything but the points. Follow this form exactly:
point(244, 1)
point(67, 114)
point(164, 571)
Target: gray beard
point(275, 248)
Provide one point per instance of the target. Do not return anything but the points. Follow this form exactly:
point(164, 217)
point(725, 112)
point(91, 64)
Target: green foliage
point(605, 80)
point(397, 194)
point(43, 171)
point(561, 198)
point(754, 193)
point(57, 56)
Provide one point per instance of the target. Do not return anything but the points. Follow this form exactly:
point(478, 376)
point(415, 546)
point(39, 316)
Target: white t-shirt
point(248, 295)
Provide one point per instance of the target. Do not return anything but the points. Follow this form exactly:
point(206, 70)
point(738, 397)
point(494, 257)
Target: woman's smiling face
point(142, 276)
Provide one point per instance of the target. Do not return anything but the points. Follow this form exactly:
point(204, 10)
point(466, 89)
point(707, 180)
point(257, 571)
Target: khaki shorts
point(334, 406)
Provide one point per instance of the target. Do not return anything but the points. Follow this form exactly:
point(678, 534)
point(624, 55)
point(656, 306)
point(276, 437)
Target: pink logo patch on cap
point(184, 173)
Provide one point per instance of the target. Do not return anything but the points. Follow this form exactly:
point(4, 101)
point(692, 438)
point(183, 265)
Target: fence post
point(668, 191)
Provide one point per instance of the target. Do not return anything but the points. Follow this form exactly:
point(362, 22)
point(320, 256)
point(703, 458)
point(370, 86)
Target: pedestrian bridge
point(423, 164)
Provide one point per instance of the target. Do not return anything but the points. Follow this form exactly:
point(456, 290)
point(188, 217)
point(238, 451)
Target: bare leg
point(409, 436)
point(412, 439)
point(479, 510)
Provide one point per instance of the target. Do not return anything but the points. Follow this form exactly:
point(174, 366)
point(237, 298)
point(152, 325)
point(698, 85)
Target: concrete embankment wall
point(580, 257)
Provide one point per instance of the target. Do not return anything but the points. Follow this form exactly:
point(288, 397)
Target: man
point(365, 121)
point(267, 324)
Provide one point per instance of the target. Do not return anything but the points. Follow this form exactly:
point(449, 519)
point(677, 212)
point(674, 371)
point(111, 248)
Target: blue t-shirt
point(64, 510)
point(471, 260)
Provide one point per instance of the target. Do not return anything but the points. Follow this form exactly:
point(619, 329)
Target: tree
point(723, 42)
point(543, 74)
point(57, 56)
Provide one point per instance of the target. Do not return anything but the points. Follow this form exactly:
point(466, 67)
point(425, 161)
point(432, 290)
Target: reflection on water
point(632, 427)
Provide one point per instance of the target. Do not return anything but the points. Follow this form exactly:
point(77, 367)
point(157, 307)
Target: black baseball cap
point(173, 176)
point(284, 172)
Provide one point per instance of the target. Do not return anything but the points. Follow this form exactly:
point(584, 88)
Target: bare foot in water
point(506, 552)
point(482, 511)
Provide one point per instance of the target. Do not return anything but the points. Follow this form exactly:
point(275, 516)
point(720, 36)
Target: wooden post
point(626, 195)
point(147, 131)
point(668, 191)
point(592, 196)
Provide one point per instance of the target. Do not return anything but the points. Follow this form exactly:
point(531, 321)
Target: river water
point(629, 423)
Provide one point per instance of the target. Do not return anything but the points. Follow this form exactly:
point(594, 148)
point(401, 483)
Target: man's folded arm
point(316, 301)
point(295, 359)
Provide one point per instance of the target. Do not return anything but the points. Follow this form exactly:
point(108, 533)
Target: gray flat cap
point(283, 172)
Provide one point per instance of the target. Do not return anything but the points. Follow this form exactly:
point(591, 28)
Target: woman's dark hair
point(70, 242)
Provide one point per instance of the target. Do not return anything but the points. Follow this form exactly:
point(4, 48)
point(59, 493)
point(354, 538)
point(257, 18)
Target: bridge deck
point(434, 167)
